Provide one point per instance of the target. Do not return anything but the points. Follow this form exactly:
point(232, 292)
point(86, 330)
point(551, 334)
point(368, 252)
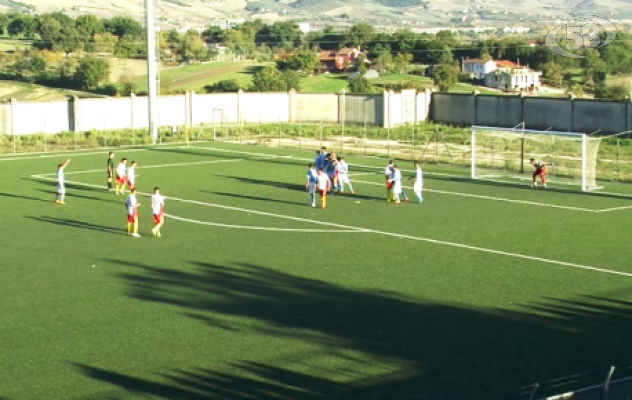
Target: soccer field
point(478, 293)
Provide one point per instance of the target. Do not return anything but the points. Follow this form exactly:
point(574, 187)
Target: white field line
point(363, 173)
point(155, 166)
point(488, 198)
point(614, 209)
point(263, 228)
point(58, 155)
point(391, 234)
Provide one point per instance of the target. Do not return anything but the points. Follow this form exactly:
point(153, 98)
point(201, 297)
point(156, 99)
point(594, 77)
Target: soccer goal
point(500, 154)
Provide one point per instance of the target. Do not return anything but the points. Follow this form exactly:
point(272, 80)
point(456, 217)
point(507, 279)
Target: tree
point(553, 73)
point(4, 23)
point(618, 93)
point(445, 76)
point(212, 34)
point(50, 31)
point(128, 84)
point(122, 26)
point(292, 80)
point(401, 61)
point(302, 61)
point(281, 34)
point(192, 47)
point(225, 86)
point(105, 42)
point(71, 40)
point(360, 35)
point(269, 79)
point(89, 25)
point(384, 62)
point(360, 85)
point(92, 72)
point(24, 25)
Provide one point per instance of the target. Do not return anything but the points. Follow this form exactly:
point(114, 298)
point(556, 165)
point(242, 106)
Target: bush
point(418, 71)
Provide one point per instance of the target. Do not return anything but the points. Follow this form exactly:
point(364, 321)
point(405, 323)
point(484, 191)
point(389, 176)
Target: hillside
point(174, 13)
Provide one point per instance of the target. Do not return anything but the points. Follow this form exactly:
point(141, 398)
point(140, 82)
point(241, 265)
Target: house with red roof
point(331, 60)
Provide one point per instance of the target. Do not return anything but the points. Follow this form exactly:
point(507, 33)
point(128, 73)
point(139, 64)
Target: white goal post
point(503, 154)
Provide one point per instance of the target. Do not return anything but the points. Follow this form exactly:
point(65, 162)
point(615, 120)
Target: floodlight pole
point(151, 70)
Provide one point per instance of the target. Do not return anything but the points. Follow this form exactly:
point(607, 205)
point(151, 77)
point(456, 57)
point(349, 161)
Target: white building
point(478, 68)
point(513, 78)
point(304, 27)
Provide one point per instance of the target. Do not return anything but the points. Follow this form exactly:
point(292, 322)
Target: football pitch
point(478, 293)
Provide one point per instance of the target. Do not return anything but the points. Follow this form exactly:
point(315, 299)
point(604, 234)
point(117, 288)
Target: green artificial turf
point(477, 293)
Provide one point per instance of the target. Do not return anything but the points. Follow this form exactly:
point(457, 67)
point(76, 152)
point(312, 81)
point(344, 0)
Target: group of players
point(329, 174)
point(125, 176)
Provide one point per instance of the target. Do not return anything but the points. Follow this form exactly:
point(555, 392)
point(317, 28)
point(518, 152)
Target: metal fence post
point(606, 385)
point(365, 137)
point(280, 124)
point(321, 133)
point(388, 139)
point(533, 392)
point(413, 147)
point(618, 152)
point(299, 135)
point(75, 138)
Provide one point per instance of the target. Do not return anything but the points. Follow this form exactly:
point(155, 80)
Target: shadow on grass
point(432, 350)
point(257, 198)
point(78, 224)
point(70, 195)
point(21, 197)
point(251, 70)
point(69, 186)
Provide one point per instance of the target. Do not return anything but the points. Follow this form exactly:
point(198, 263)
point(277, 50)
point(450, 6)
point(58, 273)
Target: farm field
point(479, 292)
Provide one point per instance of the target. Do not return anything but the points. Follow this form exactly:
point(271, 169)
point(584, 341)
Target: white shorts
point(344, 179)
point(312, 188)
point(61, 188)
point(417, 187)
point(397, 189)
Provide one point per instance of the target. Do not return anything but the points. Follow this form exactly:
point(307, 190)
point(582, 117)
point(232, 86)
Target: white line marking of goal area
point(264, 228)
point(614, 209)
point(154, 166)
point(391, 234)
point(533, 203)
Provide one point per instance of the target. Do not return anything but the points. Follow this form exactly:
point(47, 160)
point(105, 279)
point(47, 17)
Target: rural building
point(331, 60)
point(478, 67)
point(514, 78)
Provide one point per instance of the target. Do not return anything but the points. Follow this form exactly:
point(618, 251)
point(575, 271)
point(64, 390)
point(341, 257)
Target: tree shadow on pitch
point(51, 194)
point(257, 198)
point(21, 197)
point(432, 350)
point(78, 224)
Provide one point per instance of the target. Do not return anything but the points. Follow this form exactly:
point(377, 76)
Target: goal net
point(504, 154)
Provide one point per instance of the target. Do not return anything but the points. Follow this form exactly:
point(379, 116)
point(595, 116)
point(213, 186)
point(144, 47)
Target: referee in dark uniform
point(110, 171)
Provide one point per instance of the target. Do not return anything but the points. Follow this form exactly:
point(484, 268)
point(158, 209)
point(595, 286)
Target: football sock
point(350, 187)
point(129, 228)
point(135, 227)
point(312, 197)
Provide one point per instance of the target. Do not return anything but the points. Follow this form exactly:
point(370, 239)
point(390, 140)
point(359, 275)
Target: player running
point(540, 170)
point(323, 187)
point(343, 175)
point(111, 171)
point(157, 206)
point(312, 179)
point(121, 176)
point(132, 205)
point(131, 175)
point(418, 183)
point(61, 186)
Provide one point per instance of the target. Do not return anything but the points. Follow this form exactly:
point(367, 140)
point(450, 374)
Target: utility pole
point(151, 70)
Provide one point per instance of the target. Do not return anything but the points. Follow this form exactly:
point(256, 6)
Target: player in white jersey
point(343, 175)
point(323, 187)
point(121, 176)
point(388, 172)
point(312, 179)
point(418, 183)
point(157, 206)
point(131, 175)
point(61, 184)
point(397, 183)
point(132, 205)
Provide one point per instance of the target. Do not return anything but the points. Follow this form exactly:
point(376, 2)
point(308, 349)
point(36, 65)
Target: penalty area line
point(263, 228)
point(384, 233)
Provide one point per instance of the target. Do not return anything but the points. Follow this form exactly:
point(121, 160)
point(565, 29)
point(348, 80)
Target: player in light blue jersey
point(61, 184)
point(343, 175)
point(418, 183)
point(312, 179)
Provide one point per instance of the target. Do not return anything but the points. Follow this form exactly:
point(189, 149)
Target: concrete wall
point(359, 109)
point(453, 108)
point(224, 104)
point(536, 112)
point(541, 113)
point(609, 116)
point(264, 107)
point(498, 110)
point(315, 108)
point(50, 117)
